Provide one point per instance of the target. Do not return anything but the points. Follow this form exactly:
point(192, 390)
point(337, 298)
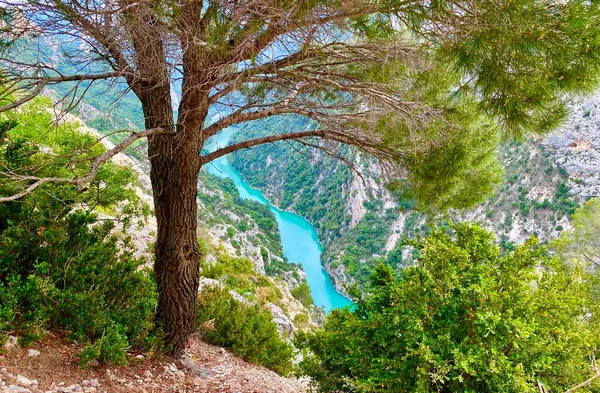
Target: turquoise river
point(298, 237)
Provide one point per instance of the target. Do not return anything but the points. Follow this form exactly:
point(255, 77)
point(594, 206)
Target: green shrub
point(61, 268)
point(248, 330)
point(303, 295)
point(466, 318)
point(226, 264)
point(110, 347)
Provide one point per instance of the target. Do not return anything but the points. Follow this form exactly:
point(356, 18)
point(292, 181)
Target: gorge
point(298, 237)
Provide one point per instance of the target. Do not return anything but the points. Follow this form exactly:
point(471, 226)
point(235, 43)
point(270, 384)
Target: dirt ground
point(56, 369)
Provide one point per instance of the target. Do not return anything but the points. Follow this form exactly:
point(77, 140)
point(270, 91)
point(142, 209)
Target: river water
point(298, 237)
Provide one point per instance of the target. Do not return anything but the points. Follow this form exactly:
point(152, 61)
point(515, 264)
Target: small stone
point(61, 384)
point(70, 389)
point(221, 350)
point(24, 381)
point(172, 368)
point(33, 353)
point(85, 382)
point(15, 389)
point(93, 363)
point(140, 358)
point(147, 374)
point(94, 383)
point(11, 343)
point(193, 368)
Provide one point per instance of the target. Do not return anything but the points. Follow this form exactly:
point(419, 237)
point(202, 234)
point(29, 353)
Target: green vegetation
point(220, 200)
point(302, 294)
point(466, 318)
point(244, 326)
point(247, 329)
point(365, 244)
point(582, 243)
point(60, 267)
point(239, 275)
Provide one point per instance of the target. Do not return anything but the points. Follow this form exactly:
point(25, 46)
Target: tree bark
point(175, 166)
point(174, 184)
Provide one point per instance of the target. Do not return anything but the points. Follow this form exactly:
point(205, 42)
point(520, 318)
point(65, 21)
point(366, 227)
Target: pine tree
point(428, 88)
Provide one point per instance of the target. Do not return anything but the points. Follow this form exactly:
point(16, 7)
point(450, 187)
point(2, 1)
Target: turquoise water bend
point(298, 237)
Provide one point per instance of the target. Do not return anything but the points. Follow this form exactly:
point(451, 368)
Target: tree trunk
point(176, 249)
point(175, 165)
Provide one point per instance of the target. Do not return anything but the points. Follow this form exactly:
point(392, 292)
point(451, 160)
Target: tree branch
point(81, 181)
point(37, 90)
point(259, 141)
point(589, 380)
point(242, 117)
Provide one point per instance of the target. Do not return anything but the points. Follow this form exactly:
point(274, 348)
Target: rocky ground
point(51, 366)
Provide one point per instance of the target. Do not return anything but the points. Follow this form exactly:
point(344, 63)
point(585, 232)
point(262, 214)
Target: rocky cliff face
point(576, 147)
point(545, 180)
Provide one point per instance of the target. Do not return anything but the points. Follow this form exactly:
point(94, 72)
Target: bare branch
point(36, 91)
point(589, 380)
point(242, 117)
point(33, 186)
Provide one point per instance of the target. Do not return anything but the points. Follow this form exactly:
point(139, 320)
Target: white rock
point(140, 357)
point(11, 343)
point(15, 389)
point(93, 363)
point(70, 389)
point(33, 353)
point(284, 324)
point(24, 381)
point(94, 383)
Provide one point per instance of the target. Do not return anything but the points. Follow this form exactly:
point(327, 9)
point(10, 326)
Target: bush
point(248, 330)
point(466, 318)
point(60, 268)
point(303, 295)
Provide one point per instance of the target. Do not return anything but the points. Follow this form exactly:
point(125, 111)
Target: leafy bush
point(466, 318)
point(61, 268)
point(303, 295)
point(247, 329)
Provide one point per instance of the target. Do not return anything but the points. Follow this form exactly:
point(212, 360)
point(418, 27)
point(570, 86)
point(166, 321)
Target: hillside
point(360, 222)
point(54, 368)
